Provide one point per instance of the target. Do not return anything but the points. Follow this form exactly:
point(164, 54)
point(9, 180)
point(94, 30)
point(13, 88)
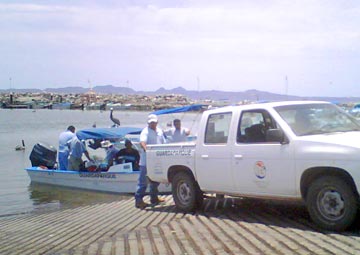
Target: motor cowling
point(43, 154)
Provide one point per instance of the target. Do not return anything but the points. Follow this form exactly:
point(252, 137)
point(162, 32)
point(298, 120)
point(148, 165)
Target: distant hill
point(21, 90)
point(218, 95)
point(106, 89)
point(251, 95)
point(67, 90)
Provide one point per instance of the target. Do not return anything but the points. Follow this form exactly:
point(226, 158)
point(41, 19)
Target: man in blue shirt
point(149, 135)
point(64, 139)
point(129, 155)
point(77, 148)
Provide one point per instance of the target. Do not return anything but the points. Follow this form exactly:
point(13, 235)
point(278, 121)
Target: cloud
point(289, 26)
point(230, 43)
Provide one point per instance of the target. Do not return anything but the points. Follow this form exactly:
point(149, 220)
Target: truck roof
point(265, 105)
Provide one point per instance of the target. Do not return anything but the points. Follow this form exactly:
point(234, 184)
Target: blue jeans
point(63, 160)
point(142, 185)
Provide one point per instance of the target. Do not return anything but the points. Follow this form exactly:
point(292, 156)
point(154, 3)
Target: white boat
point(119, 178)
point(114, 182)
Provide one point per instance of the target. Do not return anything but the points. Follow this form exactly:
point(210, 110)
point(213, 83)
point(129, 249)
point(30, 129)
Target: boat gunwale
point(35, 169)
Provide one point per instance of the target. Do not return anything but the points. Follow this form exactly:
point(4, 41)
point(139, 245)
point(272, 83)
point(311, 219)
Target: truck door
point(261, 167)
point(213, 159)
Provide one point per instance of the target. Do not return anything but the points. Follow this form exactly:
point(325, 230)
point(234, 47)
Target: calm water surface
point(17, 194)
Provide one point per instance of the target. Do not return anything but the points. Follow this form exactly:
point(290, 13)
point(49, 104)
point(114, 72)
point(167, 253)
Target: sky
point(303, 48)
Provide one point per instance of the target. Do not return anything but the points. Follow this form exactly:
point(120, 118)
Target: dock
point(222, 226)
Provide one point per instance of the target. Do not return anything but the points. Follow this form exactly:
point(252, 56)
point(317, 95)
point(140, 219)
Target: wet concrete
point(223, 226)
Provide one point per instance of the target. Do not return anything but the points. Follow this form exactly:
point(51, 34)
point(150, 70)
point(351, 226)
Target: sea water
point(17, 194)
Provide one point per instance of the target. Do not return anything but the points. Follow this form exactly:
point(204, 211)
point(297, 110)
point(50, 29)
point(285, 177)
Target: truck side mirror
point(276, 135)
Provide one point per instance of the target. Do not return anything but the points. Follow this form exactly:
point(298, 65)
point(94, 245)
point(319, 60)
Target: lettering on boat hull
point(98, 175)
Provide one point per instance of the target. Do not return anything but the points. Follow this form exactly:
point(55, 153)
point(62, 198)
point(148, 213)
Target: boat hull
point(114, 182)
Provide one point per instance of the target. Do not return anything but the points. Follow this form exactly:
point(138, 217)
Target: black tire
point(332, 203)
point(186, 192)
point(199, 197)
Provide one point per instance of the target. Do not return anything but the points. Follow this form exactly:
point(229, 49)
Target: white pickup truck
point(288, 150)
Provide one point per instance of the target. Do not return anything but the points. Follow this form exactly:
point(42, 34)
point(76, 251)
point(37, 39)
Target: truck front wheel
point(332, 203)
point(186, 192)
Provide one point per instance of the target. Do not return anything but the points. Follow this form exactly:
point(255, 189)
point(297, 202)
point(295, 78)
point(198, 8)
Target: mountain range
point(217, 95)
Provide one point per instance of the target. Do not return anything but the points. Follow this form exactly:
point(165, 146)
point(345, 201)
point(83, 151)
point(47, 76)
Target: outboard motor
point(43, 155)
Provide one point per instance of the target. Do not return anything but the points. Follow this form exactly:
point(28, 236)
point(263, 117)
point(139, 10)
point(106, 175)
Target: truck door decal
point(260, 170)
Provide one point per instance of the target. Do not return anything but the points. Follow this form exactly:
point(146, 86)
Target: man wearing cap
point(149, 135)
point(111, 151)
point(129, 155)
point(64, 144)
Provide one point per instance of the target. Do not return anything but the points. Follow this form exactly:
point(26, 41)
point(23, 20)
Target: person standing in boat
point(64, 139)
point(149, 135)
point(177, 133)
point(77, 149)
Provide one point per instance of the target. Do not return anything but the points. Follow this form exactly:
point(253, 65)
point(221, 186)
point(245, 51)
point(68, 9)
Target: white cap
point(106, 144)
point(152, 118)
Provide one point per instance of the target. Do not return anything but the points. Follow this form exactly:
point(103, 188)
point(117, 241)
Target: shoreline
point(92, 101)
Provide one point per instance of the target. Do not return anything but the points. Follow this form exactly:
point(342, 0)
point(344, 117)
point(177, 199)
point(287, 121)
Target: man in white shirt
point(149, 135)
point(64, 145)
point(177, 133)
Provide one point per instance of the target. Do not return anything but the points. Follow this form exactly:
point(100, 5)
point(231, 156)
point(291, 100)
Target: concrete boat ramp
point(223, 226)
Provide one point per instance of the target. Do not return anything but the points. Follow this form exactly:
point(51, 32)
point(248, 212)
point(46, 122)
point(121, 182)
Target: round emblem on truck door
point(260, 169)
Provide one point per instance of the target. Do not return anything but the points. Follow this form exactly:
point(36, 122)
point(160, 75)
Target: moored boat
point(119, 178)
point(114, 182)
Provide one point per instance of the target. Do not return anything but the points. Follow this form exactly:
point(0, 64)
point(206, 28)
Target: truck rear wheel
point(186, 192)
point(332, 203)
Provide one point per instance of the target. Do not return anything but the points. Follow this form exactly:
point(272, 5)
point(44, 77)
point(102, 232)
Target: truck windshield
point(313, 119)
